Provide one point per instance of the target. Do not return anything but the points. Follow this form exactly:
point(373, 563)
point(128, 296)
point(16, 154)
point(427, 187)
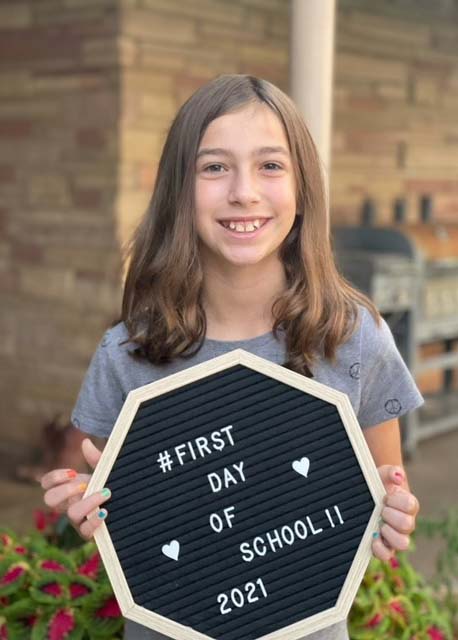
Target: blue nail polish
point(375, 535)
point(102, 513)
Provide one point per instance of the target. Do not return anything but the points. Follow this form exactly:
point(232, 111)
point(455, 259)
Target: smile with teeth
point(243, 227)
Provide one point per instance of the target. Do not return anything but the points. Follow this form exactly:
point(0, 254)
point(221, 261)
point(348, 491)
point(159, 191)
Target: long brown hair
point(162, 303)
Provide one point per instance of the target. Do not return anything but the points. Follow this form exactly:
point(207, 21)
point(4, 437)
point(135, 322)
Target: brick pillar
point(59, 258)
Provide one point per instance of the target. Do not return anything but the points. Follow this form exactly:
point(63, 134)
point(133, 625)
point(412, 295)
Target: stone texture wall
point(395, 106)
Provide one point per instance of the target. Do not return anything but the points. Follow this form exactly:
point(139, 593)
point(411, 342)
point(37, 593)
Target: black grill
point(410, 271)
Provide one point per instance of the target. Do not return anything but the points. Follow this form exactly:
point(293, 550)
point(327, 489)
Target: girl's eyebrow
point(225, 152)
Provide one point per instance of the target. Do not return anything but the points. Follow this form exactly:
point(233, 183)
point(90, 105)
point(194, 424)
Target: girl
point(234, 252)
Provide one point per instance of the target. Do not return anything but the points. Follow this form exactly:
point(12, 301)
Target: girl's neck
point(238, 301)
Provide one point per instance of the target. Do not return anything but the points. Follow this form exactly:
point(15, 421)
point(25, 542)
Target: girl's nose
point(243, 189)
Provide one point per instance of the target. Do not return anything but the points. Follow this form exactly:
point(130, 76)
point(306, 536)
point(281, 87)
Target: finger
point(395, 539)
point(399, 520)
point(90, 452)
point(89, 525)
point(78, 511)
point(392, 475)
point(381, 551)
point(57, 476)
point(58, 496)
point(403, 500)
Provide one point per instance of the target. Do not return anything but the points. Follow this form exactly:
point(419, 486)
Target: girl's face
point(245, 188)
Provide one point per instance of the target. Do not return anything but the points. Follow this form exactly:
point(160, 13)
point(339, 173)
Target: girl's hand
point(64, 489)
point(398, 514)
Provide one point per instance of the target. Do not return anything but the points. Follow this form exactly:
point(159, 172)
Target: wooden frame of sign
point(264, 524)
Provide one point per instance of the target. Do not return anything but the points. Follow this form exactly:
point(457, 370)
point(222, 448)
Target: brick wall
point(88, 88)
point(59, 259)
point(168, 49)
point(395, 106)
point(87, 91)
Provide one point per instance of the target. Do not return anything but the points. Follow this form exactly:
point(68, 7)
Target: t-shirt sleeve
point(101, 396)
point(388, 389)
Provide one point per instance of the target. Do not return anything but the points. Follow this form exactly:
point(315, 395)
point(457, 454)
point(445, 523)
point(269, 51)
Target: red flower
point(52, 516)
point(91, 567)
point(52, 565)
point(53, 588)
point(397, 607)
point(435, 634)
point(39, 517)
point(4, 601)
point(6, 539)
point(31, 620)
point(3, 630)
point(14, 573)
point(394, 562)
point(375, 621)
point(61, 624)
point(21, 550)
point(109, 610)
point(77, 590)
point(399, 582)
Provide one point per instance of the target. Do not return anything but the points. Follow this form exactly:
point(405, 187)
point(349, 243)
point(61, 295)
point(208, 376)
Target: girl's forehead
point(249, 124)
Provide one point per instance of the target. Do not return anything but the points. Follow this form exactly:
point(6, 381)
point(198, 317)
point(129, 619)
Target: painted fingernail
point(106, 493)
point(71, 473)
point(82, 487)
point(375, 535)
point(399, 476)
point(102, 514)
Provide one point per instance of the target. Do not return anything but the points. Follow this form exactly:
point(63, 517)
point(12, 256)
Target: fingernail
point(375, 535)
point(399, 476)
point(102, 514)
point(71, 473)
point(82, 487)
point(106, 493)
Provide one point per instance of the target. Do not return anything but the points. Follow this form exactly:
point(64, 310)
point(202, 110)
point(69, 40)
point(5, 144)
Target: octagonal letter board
point(244, 499)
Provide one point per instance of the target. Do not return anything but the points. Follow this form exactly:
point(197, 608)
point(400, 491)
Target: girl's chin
point(245, 259)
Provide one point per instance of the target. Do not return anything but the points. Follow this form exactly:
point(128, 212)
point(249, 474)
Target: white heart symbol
point(302, 466)
point(171, 550)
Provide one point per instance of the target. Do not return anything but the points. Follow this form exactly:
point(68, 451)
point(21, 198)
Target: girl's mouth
point(239, 228)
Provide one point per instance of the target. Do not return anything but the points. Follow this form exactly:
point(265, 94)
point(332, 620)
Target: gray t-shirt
point(368, 368)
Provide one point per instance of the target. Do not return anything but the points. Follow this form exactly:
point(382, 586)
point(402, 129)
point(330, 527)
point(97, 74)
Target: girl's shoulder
point(117, 331)
point(116, 341)
point(373, 333)
point(370, 338)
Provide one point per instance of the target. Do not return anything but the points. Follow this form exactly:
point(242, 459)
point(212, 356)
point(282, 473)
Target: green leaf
point(13, 575)
point(101, 627)
point(52, 590)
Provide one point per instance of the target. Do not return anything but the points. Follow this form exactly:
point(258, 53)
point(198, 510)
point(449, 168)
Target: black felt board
point(273, 425)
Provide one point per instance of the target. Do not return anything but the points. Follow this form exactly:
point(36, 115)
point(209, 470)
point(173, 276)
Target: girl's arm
point(401, 506)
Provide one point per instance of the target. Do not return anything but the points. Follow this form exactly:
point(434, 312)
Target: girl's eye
point(272, 166)
point(214, 168)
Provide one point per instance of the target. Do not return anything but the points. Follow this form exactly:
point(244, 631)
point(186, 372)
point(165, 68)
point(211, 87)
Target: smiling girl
point(233, 252)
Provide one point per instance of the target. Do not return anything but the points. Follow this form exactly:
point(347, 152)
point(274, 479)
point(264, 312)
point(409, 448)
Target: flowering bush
point(47, 593)
point(394, 602)
point(53, 587)
point(445, 582)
